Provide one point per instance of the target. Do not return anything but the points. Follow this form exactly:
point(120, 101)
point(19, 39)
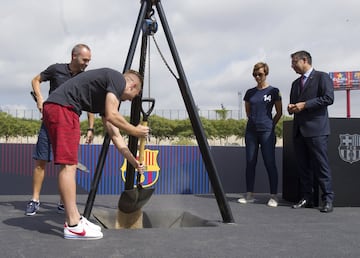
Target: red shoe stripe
point(78, 233)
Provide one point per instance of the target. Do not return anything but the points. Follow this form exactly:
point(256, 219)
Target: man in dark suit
point(309, 97)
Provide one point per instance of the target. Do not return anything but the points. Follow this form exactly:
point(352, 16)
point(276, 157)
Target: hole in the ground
point(150, 219)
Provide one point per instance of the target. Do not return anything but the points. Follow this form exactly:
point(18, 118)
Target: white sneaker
point(90, 224)
point(273, 202)
point(81, 232)
point(247, 199)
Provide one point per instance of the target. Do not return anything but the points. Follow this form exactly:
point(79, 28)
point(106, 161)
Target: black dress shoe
point(303, 203)
point(328, 207)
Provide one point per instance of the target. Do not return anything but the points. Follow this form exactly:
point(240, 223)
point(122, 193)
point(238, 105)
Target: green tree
point(222, 113)
point(161, 128)
point(279, 127)
point(98, 127)
point(226, 128)
point(240, 130)
point(183, 128)
point(8, 126)
point(209, 128)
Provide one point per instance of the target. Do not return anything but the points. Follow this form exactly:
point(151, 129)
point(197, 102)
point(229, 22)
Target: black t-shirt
point(87, 91)
point(57, 74)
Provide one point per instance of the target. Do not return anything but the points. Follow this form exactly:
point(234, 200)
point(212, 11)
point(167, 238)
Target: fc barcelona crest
point(151, 171)
point(349, 147)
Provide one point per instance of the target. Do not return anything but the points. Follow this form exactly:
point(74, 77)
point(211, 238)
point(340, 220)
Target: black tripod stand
point(146, 11)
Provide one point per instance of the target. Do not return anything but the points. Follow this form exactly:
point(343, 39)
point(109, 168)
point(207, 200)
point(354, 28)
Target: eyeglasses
point(258, 74)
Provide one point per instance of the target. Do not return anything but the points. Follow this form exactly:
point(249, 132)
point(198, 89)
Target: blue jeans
point(266, 140)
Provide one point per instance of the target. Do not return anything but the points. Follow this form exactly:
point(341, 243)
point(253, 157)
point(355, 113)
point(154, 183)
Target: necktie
point(302, 83)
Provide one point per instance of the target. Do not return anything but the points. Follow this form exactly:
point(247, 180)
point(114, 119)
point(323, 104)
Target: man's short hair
point(302, 54)
point(77, 48)
point(130, 71)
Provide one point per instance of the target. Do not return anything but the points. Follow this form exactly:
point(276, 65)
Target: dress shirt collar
point(308, 72)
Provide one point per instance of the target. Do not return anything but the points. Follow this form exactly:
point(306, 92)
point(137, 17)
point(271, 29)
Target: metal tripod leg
point(196, 124)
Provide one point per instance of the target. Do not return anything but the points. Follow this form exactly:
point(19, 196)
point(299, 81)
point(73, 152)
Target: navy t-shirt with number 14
point(261, 104)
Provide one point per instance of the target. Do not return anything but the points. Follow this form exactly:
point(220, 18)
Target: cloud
point(218, 43)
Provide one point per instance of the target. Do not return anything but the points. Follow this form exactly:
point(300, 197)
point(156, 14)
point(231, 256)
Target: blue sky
point(218, 43)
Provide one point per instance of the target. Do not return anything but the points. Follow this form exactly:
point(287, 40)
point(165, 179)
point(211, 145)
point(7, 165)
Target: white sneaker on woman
point(248, 199)
point(273, 202)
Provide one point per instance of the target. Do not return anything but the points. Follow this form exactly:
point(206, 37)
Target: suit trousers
point(313, 162)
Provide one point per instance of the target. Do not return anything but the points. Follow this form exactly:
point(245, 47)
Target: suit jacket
point(318, 94)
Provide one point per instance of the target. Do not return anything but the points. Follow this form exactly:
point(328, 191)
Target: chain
point(163, 58)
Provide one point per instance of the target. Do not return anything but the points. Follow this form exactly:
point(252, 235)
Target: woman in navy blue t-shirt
point(260, 131)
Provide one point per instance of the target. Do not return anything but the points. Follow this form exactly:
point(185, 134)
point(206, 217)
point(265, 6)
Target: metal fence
point(172, 114)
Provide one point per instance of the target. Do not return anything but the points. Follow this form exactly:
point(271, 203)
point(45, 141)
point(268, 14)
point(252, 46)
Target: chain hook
point(150, 25)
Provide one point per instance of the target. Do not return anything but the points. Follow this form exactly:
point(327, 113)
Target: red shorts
point(63, 127)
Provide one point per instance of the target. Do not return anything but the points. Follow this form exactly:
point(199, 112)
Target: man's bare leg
point(67, 188)
point(38, 178)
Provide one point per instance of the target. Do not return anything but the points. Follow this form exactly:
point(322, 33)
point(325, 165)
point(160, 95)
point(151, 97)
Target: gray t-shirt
point(57, 74)
point(87, 91)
